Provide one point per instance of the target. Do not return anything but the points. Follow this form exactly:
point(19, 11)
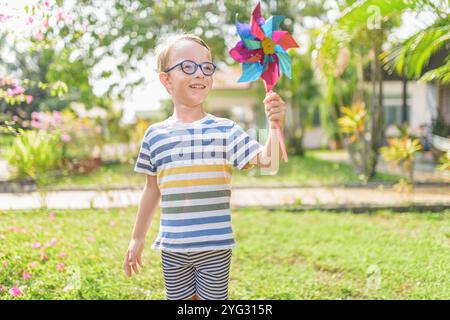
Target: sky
point(148, 97)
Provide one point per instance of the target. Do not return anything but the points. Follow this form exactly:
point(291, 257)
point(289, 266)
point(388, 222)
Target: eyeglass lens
point(190, 67)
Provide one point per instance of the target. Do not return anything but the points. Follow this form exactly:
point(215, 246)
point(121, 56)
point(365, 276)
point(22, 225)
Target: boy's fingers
point(135, 268)
point(126, 267)
point(270, 99)
point(139, 260)
point(275, 110)
point(271, 96)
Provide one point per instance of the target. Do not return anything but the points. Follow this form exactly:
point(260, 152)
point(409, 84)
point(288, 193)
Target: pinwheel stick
point(279, 131)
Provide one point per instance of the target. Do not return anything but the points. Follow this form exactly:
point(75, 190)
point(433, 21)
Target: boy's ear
point(165, 80)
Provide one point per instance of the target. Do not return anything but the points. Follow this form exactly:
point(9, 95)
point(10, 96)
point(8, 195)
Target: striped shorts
point(204, 273)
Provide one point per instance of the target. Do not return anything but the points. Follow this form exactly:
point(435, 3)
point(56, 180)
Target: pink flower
point(25, 124)
point(36, 245)
point(65, 137)
point(53, 242)
point(29, 99)
point(10, 92)
point(11, 228)
point(5, 263)
point(4, 18)
point(113, 223)
point(15, 118)
point(46, 3)
point(3, 288)
point(32, 265)
point(35, 124)
point(91, 239)
point(40, 36)
point(51, 215)
point(19, 90)
point(45, 24)
point(68, 20)
point(26, 275)
point(98, 129)
point(35, 115)
point(15, 292)
point(62, 254)
point(60, 266)
point(30, 20)
point(59, 15)
point(57, 115)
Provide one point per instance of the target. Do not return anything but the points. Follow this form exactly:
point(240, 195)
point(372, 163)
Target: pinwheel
point(262, 52)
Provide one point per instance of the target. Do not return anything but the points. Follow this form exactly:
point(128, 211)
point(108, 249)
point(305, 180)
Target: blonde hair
point(163, 49)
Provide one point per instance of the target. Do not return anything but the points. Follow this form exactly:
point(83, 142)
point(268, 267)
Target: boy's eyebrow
point(178, 61)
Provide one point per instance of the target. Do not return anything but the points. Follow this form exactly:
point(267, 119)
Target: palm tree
point(410, 56)
point(361, 30)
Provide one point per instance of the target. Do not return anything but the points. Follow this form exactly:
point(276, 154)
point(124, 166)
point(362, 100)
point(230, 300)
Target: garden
point(368, 120)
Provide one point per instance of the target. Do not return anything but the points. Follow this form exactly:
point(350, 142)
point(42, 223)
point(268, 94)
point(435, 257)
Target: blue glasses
point(190, 67)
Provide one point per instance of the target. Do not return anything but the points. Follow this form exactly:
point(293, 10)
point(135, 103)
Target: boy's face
point(178, 83)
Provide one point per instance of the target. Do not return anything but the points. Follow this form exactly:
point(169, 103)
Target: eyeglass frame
point(197, 65)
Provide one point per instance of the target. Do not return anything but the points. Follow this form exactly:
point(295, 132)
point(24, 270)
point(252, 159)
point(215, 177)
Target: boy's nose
point(199, 73)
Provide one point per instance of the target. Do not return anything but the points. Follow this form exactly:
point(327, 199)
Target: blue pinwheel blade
point(251, 71)
point(272, 24)
point(284, 61)
point(243, 29)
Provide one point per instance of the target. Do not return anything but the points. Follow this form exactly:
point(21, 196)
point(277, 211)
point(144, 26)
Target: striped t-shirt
point(193, 164)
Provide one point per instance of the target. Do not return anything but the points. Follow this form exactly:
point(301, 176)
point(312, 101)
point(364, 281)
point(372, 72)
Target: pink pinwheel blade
point(255, 21)
point(271, 75)
point(240, 53)
point(284, 39)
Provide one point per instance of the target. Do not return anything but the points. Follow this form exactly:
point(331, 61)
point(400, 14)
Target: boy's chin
point(198, 98)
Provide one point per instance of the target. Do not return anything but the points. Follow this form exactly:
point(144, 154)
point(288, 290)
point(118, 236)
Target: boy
point(188, 160)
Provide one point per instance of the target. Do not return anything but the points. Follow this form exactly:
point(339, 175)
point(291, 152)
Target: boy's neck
point(188, 114)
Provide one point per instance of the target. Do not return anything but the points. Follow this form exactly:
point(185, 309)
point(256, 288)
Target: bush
point(34, 153)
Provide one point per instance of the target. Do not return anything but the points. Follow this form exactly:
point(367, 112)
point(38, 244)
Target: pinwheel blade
point(284, 39)
point(272, 24)
point(256, 20)
point(251, 72)
point(240, 53)
point(243, 29)
point(271, 75)
point(252, 44)
point(284, 61)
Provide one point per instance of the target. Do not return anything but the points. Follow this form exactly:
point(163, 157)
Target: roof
point(226, 77)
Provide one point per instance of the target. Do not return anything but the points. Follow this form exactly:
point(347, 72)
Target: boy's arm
point(147, 207)
point(268, 157)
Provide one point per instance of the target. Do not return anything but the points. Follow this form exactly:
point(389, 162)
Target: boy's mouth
point(197, 86)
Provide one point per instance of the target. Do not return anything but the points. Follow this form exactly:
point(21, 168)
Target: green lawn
point(280, 255)
point(299, 171)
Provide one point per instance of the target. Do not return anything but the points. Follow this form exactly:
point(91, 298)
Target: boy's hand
point(133, 257)
point(275, 109)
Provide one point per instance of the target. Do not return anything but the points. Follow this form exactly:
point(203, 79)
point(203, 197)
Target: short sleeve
point(241, 147)
point(144, 163)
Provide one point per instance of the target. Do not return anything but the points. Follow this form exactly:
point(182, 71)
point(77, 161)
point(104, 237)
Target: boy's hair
point(163, 49)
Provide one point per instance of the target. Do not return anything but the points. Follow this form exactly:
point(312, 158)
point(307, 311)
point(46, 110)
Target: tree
point(362, 30)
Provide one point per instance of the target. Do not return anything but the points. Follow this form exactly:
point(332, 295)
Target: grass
point(299, 171)
point(280, 255)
